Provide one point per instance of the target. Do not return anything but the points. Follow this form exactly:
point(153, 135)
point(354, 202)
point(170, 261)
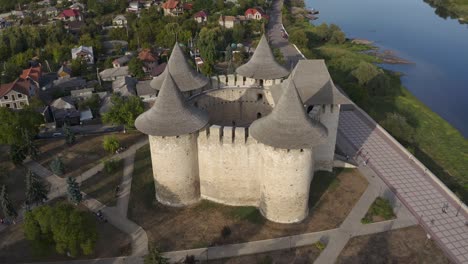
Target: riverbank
point(379, 92)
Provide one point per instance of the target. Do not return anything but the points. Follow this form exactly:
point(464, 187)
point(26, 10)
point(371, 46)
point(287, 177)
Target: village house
point(255, 14)
point(134, 7)
point(64, 112)
point(16, 94)
point(201, 16)
point(114, 73)
point(122, 61)
point(64, 72)
point(119, 21)
point(77, 6)
point(83, 52)
point(125, 86)
point(228, 21)
point(145, 91)
point(70, 15)
point(172, 8)
point(150, 61)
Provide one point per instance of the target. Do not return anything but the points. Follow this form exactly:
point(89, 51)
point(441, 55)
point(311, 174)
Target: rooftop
point(262, 64)
point(171, 115)
point(314, 84)
point(184, 75)
point(288, 126)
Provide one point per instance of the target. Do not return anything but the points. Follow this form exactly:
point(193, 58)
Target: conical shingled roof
point(184, 75)
point(170, 114)
point(288, 126)
point(262, 65)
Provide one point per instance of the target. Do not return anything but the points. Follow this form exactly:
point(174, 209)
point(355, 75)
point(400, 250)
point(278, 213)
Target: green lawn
point(102, 185)
point(380, 210)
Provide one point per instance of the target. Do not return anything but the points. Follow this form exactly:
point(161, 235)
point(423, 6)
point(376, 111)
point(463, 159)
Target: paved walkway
point(336, 238)
point(117, 216)
point(275, 24)
point(436, 209)
point(125, 186)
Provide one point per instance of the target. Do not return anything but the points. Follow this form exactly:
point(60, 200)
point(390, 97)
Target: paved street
point(437, 211)
point(290, 53)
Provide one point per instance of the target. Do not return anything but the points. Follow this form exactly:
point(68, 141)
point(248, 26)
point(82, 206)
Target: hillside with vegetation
point(380, 93)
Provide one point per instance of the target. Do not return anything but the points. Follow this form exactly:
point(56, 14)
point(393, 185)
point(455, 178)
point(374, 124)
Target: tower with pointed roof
point(262, 67)
point(251, 139)
point(172, 127)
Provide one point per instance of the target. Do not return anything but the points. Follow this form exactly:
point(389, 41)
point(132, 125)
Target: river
point(437, 46)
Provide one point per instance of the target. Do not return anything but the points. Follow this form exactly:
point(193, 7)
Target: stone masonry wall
point(237, 170)
point(324, 153)
point(285, 184)
point(175, 169)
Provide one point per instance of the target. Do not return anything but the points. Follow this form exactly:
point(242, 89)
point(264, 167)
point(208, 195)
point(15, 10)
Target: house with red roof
point(150, 61)
point(172, 8)
point(201, 16)
point(16, 94)
point(70, 15)
point(255, 13)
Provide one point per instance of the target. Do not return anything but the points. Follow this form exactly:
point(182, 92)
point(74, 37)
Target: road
point(275, 25)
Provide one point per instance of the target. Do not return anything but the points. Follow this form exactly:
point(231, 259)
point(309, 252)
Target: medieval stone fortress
point(253, 138)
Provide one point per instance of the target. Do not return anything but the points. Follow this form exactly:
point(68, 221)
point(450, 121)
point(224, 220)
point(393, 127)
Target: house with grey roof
point(124, 86)
point(145, 91)
point(114, 73)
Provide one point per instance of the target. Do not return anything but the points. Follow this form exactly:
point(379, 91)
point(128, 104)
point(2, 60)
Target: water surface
point(437, 46)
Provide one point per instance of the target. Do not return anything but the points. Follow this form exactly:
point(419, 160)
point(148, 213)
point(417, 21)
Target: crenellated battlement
point(225, 135)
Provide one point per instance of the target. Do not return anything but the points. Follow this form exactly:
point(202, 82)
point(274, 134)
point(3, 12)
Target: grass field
point(333, 195)
point(380, 210)
point(102, 185)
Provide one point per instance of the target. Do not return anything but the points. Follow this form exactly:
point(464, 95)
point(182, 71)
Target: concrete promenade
point(441, 214)
point(437, 209)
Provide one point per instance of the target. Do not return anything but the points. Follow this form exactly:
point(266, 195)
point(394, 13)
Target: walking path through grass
point(115, 215)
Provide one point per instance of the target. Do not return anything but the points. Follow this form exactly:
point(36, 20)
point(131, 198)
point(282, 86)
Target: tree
point(299, 38)
point(238, 33)
point(365, 72)
point(7, 206)
point(69, 135)
point(398, 126)
point(124, 110)
point(62, 227)
point(111, 144)
point(135, 67)
point(15, 124)
point(10, 72)
point(35, 189)
point(155, 257)
point(73, 190)
point(17, 154)
point(56, 166)
point(93, 103)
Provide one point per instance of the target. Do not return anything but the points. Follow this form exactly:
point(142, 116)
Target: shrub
point(111, 166)
point(225, 232)
point(111, 144)
point(56, 166)
point(319, 245)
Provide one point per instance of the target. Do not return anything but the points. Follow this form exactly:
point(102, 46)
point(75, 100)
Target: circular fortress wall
point(234, 106)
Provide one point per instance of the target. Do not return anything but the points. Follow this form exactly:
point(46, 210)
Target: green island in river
point(431, 139)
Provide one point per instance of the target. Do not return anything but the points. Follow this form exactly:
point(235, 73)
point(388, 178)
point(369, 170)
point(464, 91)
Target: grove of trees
point(61, 227)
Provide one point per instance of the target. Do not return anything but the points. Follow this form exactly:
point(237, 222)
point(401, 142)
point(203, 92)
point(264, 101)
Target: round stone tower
point(262, 68)
point(172, 126)
point(287, 135)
